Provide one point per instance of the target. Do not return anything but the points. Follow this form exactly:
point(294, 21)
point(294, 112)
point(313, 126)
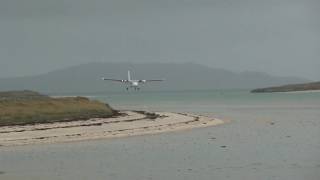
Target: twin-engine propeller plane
point(132, 83)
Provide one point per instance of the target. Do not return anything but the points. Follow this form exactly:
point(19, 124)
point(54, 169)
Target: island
point(314, 86)
point(28, 117)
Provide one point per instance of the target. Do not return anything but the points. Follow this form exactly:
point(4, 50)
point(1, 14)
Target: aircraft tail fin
point(129, 76)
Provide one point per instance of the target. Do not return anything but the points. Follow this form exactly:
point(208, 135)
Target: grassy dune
point(22, 110)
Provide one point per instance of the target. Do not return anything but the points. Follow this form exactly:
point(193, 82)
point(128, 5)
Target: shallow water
point(269, 136)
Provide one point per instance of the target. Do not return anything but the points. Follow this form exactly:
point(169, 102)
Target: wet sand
point(129, 124)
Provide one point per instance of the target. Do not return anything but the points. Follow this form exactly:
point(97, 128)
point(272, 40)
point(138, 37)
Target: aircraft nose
point(135, 83)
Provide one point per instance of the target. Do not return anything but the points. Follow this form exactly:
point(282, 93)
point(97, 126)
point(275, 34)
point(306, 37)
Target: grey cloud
point(279, 36)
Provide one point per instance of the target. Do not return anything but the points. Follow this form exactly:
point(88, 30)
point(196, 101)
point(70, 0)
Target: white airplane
point(133, 83)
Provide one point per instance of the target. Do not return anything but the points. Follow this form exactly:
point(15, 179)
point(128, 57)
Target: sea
point(267, 136)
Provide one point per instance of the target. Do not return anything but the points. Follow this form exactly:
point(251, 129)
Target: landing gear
point(133, 87)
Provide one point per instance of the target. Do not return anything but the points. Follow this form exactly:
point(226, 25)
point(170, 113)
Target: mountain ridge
point(86, 78)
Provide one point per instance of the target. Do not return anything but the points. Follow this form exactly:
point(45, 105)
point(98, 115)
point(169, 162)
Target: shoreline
point(132, 123)
point(306, 91)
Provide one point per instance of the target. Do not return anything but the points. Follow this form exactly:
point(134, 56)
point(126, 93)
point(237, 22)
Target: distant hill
point(290, 87)
point(21, 95)
point(86, 78)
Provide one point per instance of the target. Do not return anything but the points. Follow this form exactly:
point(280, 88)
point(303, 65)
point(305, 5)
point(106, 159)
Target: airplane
point(133, 83)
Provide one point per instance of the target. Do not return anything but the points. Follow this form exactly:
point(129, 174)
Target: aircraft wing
point(151, 80)
point(117, 80)
point(155, 80)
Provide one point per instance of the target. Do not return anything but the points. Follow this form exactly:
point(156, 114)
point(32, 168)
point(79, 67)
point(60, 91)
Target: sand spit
point(130, 124)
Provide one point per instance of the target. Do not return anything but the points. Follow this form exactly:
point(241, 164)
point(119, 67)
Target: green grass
point(23, 111)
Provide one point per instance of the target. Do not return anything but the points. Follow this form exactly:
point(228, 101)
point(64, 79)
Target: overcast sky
point(281, 37)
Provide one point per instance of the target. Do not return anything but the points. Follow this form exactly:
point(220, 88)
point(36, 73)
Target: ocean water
point(267, 137)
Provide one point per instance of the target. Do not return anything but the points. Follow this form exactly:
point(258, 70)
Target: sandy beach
point(129, 124)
